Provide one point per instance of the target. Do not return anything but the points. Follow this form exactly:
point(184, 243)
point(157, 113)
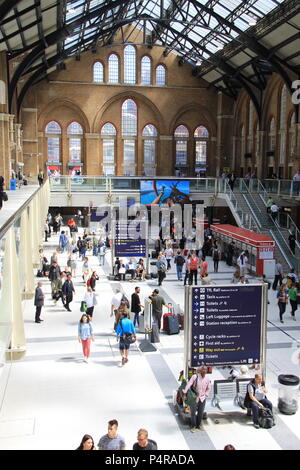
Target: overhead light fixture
point(71, 10)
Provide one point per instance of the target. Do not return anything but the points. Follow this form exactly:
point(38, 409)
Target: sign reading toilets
point(226, 325)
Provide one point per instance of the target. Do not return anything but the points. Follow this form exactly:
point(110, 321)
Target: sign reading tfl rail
point(226, 325)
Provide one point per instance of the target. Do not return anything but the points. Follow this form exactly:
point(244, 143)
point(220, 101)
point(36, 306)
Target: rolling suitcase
point(172, 325)
point(165, 316)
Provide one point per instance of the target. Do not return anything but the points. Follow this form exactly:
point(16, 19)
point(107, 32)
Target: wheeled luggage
point(172, 325)
point(165, 316)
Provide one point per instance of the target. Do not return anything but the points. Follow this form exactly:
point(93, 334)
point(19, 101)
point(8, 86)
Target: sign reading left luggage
point(226, 325)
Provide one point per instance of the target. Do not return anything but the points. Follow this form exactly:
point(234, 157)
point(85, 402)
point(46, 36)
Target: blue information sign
point(226, 325)
point(126, 246)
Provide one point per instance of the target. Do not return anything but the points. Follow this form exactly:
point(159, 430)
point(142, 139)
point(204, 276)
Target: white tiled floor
point(52, 393)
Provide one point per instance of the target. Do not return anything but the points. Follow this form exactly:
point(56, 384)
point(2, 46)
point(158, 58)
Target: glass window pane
point(108, 151)
point(53, 149)
point(129, 65)
point(108, 129)
point(149, 152)
point(181, 131)
point(201, 149)
point(75, 150)
point(75, 128)
point(129, 158)
point(146, 70)
point(113, 69)
point(108, 170)
point(160, 75)
point(181, 152)
point(129, 118)
point(201, 131)
point(149, 131)
point(53, 128)
point(98, 72)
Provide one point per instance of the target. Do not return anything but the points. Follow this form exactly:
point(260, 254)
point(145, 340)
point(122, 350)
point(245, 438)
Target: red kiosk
point(260, 247)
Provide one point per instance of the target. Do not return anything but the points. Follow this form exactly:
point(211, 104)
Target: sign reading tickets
point(125, 246)
point(226, 325)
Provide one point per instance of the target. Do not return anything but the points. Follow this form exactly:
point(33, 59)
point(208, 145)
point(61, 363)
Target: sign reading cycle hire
point(226, 325)
point(126, 246)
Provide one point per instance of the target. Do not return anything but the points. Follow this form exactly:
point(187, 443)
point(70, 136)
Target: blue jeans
point(179, 272)
point(136, 319)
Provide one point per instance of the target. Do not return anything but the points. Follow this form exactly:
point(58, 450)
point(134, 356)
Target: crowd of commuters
point(190, 267)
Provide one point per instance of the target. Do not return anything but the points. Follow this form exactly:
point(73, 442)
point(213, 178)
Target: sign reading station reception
point(226, 325)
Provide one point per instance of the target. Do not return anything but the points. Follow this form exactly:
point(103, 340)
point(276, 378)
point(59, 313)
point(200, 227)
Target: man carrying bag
point(199, 385)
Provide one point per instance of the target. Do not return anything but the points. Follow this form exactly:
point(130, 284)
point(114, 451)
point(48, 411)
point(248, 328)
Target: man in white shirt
point(169, 254)
point(274, 211)
point(115, 304)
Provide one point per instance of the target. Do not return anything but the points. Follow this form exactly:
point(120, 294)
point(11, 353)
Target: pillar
point(165, 165)
point(30, 142)
point(92, 155)
point(26, 268)
point(11, 304)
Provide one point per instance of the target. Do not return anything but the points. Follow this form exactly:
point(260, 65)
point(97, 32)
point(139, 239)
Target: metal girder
point(6, 6)
point(251, 43)
point(52, 39)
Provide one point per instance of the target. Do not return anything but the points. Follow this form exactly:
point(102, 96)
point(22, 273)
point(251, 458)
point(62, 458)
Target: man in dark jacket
point(136, 306)
point(54, 275)
point(67, 290)
point(38, 302)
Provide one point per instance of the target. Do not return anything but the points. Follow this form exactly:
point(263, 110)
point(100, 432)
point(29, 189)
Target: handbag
point(83, 306)
point(129, 337)
point(4, 196)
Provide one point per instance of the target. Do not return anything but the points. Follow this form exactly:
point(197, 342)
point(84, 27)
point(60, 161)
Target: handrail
point(245, 219)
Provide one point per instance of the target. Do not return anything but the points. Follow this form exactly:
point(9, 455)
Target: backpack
point(265, 418)
point(180, 260)
point(163, 267)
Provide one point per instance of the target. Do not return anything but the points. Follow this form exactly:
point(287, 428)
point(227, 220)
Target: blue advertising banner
point(125, 246)
point(226, 325)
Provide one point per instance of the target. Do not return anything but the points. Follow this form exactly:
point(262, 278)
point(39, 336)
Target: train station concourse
point(149, 225)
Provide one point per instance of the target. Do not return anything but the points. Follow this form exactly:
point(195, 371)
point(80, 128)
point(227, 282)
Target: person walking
point(101, 254)
point(242, 263)
point(41, 177)
point(169, 255)
point(274, 211)
point(125, 333)
point(203, 267)
point(143, 442)
point(161, 269)
point(187, 270)
point(112, 440)
point(46, 230)
point(63, 241)
point(91, 282)
point(136, 306)
point(179, 261)
point(115, 304)
point(85, 270)
point(216, 256)
point(292, 293)
point(157, 302)
point(282, 297)
point(85, 335)
point(202, 385)
point(87, 443)
point(90, 300)
point(269, 204)
point(38, 302)
point(292, 242)
point(278, 275)
point(1, 191)
point(67, 291)
point(54, 275)
point(193, 268)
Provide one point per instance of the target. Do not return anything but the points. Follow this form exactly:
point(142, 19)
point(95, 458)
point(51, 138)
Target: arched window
point(201, 136)
point(53, 132)
point(146, 70)
point(98, 72)
point(129, 130)
point(129, 64)
point(75, 142)
point(282, 130)
point(181, 135)
point(160, 75)
point(113, 69)
point(108, 134)
point(149, 135)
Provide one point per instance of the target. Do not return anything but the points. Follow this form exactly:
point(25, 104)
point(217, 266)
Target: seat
point(225, 395)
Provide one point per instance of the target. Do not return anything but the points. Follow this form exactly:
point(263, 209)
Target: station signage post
point(226, 325)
